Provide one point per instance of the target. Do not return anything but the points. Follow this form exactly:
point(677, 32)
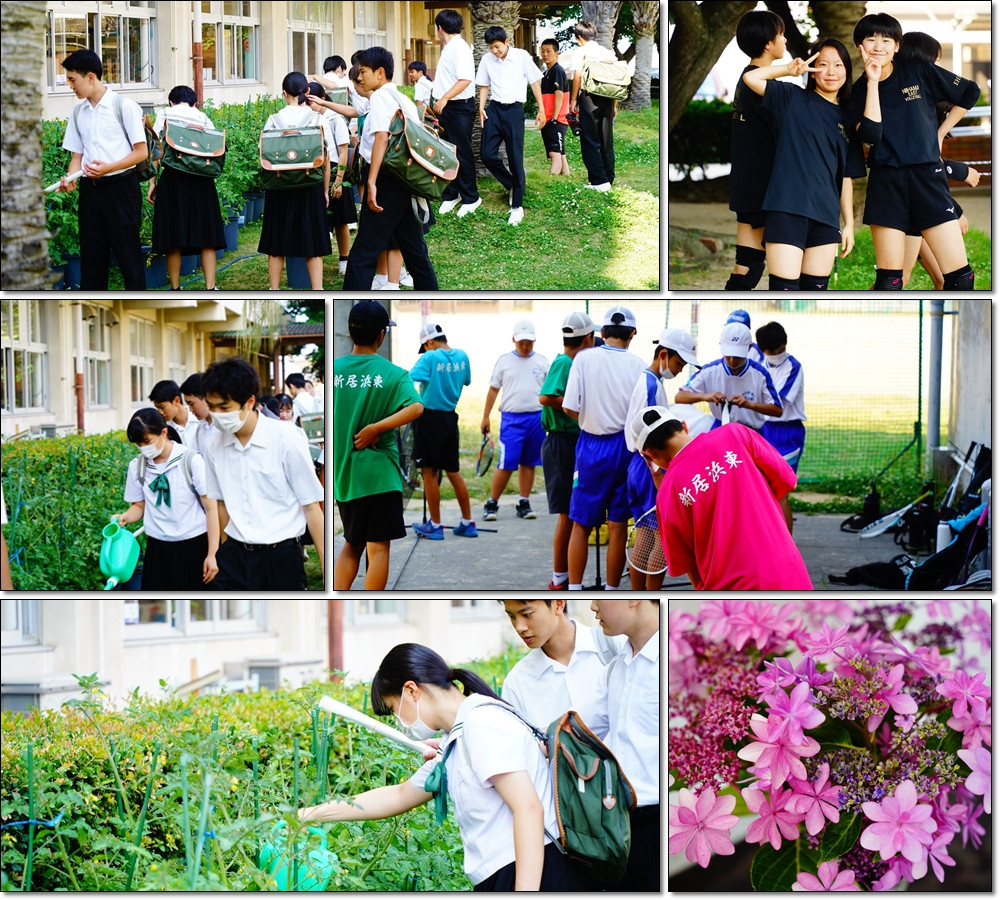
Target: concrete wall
point(972, 375)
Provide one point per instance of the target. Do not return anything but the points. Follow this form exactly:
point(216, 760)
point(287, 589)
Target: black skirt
point(295, 223)
point(186, 213)
point(342, 211)
point(174, 565)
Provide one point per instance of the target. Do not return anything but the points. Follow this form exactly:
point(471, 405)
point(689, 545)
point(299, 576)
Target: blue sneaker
point(429, 531)
point(465, 530)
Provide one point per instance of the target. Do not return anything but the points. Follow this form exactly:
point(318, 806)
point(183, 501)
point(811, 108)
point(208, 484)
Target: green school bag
point(605, 78)
point(419, 159)
point(292, 158)
point(193, 148)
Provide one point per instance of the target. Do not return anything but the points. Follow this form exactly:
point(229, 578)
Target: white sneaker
point(448, 205)
point(352, 226)
point(342, 266)
point(378, 281)
point(516, 214)
point(603, 188)
point(405, 278)
point(389, 286)
point(470, 207)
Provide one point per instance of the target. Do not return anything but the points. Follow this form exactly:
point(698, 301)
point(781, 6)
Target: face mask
point(150, 451)
point(666, 374)
point(418, 730)
point(228, 422)
point(776, 359)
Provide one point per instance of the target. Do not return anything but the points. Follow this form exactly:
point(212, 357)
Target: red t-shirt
point(719, 514)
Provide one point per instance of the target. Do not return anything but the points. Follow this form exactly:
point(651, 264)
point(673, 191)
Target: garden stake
point(215, 731)
point(26, 885)
point(364, 703)
point(315, 740)
point(142, 815)
point(202, 824)
point(187, 819)
point(256, 787)
point(295, 804)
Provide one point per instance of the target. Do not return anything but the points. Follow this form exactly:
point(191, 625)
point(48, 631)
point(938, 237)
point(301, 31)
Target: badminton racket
point(880, 526)
point(485, 455)
point(644, 549)
point(348, 712)
point(55, 186)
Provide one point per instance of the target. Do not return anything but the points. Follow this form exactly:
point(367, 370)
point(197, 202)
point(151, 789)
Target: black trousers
point(597, 137)
point(457, 120)
point(643, 871)
point(376, 232)
point(275, 569)
point(174, 565)
point(558, 874)
point(505, 124)
point(109, 213)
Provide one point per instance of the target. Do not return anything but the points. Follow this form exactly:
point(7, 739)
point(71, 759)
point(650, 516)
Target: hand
point(371, 197)
point(209, 568)
point(846, 241)
point(963, 223)
point(368, 435)
point(739, 400)
point(717, 397)
point(482, 116)
point(65, 186)
point(338, 189)
point(96, 168)
point(484, 427)
point(120, 519)
point(432, 748)
point(972, 179)
point(314, 104)
point(798, 67)
point(873, 65)
point(540, 119)
point(151, 191)
point(573, 108)
point(439, 106)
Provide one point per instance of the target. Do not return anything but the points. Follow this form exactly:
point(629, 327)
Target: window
point(122, 33)
point(462, 608)
point(310, 35)
point(19, 622)
point(369, 25)
point(230, 44)
point(23, 356)
point(376, 611)
point(97, 322)
point(141, 358)
point(175, 355)
point(166, 618)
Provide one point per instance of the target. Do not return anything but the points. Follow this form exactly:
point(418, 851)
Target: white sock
point(559, 577)
point(609, 587)
point(576, 587)
point(468, 521)
point(435, 524)
point(380, 279)
point(523, 499)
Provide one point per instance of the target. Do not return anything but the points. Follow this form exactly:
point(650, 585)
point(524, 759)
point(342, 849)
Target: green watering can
point(119, 554)
point(316, 864)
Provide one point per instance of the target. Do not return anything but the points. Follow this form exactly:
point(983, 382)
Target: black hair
point(378, 58)
point(418, 66)
point(550, 42)
point(309, 382)
point(353, 73)
point(844, 94)
point(771, 336)
point(573, 342)
point(192, 386)
point(756, 30)
point(449, 21)
point(415, 662)
point(878, 24)
point(437, 337)
point(585, 30)
point(283, 399)
point(232, 378)
point(918, 45)
point(297, 380)
point(317, 90)
point(272, 403)
point(84, 61)
point(547, 602)
point(148, 422)
point(494, 33)
point(659, 348)
point(332, 63)
point(364, 336)
point(182, 94)
point(164, 391)
point(618, 332)
point(295, 84)
point(658, 437)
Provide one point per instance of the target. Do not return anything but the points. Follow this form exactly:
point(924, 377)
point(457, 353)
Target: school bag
point(154, 146)
point(419, 158)
point(140, 473)
point(292, 158)
point(605, 78)
point(194, 149)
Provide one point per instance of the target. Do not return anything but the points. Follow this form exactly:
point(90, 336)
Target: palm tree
point(24, 250)
point(645, 17)
point(490, 12)
point(603, 14)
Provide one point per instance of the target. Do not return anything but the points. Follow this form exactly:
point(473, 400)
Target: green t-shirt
point(366, 389)
point(555, 385)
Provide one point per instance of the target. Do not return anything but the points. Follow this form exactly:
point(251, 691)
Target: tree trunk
point(797, 45)
point(645, 16)
point(484, 14)
point(603, 15)
point(837, 20)
point(701, 33)
point(24, 248)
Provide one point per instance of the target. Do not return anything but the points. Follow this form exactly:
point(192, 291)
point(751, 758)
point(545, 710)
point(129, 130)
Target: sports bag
point(417, 157)
point(292, 157)
point(605, 78)
point(195, 149)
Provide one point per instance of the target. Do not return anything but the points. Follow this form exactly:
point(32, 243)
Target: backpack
point(292, 158)
point(952, 564)
point(154, 146)
point(140, 473)
point(605, 78)
point(419, 158)
point(194, 149)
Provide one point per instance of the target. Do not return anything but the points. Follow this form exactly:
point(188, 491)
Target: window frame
point(30, 316)
point(27, 631)
point(146, 365)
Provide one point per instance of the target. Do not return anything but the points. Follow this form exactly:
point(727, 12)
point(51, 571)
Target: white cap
point(641, 430)
point(624, 317)
point(524, 330)
point(735, 340)
point(431, 331)
point(578, 324)
point(681, 342)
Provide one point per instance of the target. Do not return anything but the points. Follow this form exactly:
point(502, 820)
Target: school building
point(208, 645)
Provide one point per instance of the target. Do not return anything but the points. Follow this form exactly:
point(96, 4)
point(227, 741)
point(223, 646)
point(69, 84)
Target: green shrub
point(701, 136)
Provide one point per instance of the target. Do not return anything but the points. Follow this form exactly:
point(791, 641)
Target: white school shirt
point(200, 434)
point(455, 64)
point(264, 484)
point(599, 386)
point(521, 379)
point(634, 718)
point(644, 386)
point(543, 688)
point(422, 90)
point(753, 382)
point(789, 383)
point(184, 518)
point(339, 132)
point(588, 50)
point(189, 433)
point(300, 116)
point(496, 742)
point(361, 104)
point(384, 103)
point(508, 78)
point(100, 136)
point(303, 404)
point(187, 115)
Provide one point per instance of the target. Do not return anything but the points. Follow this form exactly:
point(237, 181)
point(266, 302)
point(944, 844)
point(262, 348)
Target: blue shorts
point(521, 437)
point(641, 490)
point(601, 481)
point(788, 438)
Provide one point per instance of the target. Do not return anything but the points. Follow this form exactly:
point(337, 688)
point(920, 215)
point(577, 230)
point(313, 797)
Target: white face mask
point(150, 451)
point(418, 730)
point(666, 374)
point(776, 359)
point(228, 422)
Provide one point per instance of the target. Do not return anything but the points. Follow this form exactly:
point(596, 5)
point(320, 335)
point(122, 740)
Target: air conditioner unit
point(21, 694)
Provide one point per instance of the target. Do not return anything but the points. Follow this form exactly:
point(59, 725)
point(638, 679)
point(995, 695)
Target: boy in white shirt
point(633, 684)
point(520, 374)
point(166, 397)
point(416, 75)
point(597, 114)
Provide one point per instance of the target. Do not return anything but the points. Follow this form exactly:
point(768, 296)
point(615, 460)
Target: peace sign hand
point(873, 65)
point(798, 67)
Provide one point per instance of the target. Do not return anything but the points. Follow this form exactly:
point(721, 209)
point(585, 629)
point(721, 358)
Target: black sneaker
point(490, 510)
point(524, 510)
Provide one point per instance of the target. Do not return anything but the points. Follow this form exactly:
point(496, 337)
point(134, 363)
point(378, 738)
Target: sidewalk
point(519, 556)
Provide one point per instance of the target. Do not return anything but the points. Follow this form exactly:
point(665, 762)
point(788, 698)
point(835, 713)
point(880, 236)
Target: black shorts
point(435, 444)
point(909, 199)
point(754, 218)
point(799, 231)
point(554, 137)
point(559, 464)
point(373, 519)
point(913, 232)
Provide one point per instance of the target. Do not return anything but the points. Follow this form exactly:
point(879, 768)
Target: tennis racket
point(644, 549)
point(408, 471)
point(880, 526)
point(485, 455)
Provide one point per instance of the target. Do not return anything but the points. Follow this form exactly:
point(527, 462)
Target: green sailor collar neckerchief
point(437, 781)
point(161, 485)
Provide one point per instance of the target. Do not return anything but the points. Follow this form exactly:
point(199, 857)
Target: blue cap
point(739, 315)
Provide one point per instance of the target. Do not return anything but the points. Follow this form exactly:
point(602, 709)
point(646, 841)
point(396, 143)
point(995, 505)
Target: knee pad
point(888, 280)
point(774, 283)
point(753, 259)
point(742, 282)
point(960, 280)
point(813, 282)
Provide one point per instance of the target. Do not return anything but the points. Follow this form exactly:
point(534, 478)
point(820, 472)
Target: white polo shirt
point(788, 382)
point(599, 387)
point(648, 391)
point(753, 382)
point(96, 132)
point(264, 484)
point(634, 718)
point(508, 78)
point(496, 742)
point(456, 64)
point(384, 103)
point(543, 688)
point(184, 518)
point(521, 379)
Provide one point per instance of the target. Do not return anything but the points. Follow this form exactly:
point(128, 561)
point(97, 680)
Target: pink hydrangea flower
point(975, 733)
point(760, 621)
point(715, 615)
point(702, 824)
point(774, 753)
point(776, 816)
point(966, 692)
point(891, 694)
point(829, 879)
point(793, 713)
point(817, 800)
point(979, 760)
point(901, 825)
point(827, 640)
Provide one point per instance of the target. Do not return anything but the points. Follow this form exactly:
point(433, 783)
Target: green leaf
point(839, 837)
point(776, 870)
point(741, 808)
point(902, 622)
point(831, 734)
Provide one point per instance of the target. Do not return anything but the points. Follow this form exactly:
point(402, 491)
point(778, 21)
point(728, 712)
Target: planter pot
point(258, 205)
point(190, 263)
point(232, 229)
point(58, 276)
point(156, 269)
point(298, 275)
point(71, 277)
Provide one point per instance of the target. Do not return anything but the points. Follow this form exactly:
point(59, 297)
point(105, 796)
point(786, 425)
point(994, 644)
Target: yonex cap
point(369, 314)
point(681, 342)
point(735, 340)
point(619, 315)
point(641, 429)
point(524, 331)
point(429, 332)
point(578, 324)
point(739, 315)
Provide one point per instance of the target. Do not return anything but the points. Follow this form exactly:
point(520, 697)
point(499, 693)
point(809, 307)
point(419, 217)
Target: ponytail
point(471, 683)
point(296, 84)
